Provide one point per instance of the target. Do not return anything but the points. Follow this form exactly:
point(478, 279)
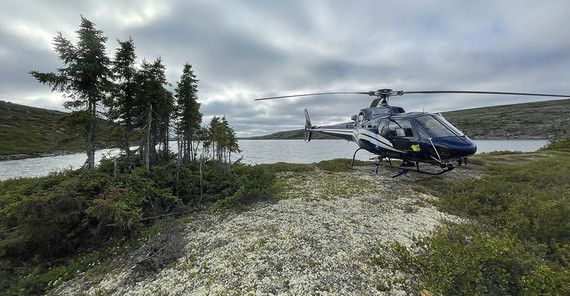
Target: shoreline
point(18, 156)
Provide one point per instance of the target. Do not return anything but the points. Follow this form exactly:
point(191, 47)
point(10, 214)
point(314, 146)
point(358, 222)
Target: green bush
point(128, 197)
point(188, 186)
point(242, 185)
point(42, 216)
point(468, 260)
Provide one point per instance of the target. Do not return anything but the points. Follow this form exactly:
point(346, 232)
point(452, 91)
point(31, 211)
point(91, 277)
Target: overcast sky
point(242, 50)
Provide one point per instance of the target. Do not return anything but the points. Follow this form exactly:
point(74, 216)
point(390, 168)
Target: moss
point(288, 167)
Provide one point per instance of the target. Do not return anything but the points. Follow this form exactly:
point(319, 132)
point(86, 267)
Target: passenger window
point(401, 128)
point(382, 129)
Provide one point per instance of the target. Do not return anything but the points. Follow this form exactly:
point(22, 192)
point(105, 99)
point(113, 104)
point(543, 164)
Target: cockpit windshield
point(435, 126)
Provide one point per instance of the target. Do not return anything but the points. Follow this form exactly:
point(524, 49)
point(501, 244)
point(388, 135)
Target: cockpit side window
point(401, 128)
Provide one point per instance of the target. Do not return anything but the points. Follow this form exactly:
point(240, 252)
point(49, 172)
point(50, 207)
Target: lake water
point(253, 152)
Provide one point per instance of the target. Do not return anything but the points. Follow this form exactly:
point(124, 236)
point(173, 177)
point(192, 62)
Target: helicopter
point(391, 133)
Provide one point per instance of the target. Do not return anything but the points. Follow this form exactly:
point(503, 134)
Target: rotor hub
point(382, 96)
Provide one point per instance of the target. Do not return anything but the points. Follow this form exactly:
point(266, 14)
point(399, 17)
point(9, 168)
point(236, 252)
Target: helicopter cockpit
point(435, 126)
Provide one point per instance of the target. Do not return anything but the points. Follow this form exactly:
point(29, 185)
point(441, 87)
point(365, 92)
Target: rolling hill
point(28, 131)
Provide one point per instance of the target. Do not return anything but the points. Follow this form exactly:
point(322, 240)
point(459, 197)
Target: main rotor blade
point(317, 94)
point(482, 92)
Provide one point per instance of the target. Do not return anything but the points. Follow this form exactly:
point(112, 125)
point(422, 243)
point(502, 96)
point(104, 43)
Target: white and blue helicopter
point(391, 133)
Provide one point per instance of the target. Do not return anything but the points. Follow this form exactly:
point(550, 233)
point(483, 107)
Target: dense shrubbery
point(242, 185)
point(520, 243)
point(54, 217)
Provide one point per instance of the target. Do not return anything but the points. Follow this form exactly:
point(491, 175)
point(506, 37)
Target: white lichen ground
point(318, 240)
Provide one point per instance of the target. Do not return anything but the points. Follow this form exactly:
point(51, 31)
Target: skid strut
point(405, 166)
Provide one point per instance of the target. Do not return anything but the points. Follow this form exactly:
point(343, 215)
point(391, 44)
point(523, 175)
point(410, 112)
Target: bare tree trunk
point(191, 149)
point(201, 190)
point(148, 144)
point(128, 144)
point(165, 138)
point(180, 145)
point(90, 140)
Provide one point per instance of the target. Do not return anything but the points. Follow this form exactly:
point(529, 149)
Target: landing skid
point(404, 169)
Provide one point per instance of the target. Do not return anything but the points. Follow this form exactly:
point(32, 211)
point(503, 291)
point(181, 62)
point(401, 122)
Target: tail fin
point(308, 126)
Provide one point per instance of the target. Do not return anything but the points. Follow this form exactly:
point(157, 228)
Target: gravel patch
point(314, 242)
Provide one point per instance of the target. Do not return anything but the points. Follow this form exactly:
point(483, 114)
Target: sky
point(243, 50)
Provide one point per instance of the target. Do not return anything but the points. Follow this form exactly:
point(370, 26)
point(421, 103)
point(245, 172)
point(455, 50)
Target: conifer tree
point(222, 139)
point(84, 77)
point(190, 118)
point(125, 89)
point(154, 107)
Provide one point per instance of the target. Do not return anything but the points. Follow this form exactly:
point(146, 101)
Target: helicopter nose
point(455, 147)
point(470, 148)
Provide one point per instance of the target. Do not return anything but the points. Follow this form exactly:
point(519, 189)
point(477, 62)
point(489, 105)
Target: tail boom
point(342, 130)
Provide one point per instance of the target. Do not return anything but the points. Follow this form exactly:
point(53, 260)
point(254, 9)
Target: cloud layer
point(242, 50)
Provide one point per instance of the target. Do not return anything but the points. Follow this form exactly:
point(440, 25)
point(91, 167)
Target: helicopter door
point(402, 133)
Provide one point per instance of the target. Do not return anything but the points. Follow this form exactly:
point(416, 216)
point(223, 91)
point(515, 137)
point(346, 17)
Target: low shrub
point(242, 185)
point(469, 260)
point(130, 197)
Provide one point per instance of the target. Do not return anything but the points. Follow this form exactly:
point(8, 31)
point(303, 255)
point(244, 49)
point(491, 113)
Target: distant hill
point(291, 135)
point(539, 120)
point(29, 131)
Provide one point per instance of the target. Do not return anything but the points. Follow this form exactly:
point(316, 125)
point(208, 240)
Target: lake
point(253, 152)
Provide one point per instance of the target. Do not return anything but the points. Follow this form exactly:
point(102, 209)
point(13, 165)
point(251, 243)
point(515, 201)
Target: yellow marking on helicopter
point(416, 147)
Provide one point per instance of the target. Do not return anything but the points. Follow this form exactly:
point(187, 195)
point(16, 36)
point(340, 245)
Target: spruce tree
point(190, 118)
point(124, 92)
point(223, 140)
point(84, 77)
point(153, 108)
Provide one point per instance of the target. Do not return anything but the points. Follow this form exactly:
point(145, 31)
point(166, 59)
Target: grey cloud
point(241, 50)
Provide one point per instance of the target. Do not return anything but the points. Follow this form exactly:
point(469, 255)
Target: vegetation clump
point(518, 240)
point(44, 221)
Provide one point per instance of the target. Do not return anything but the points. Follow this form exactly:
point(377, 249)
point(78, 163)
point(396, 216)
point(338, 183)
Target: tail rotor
point(308, 127)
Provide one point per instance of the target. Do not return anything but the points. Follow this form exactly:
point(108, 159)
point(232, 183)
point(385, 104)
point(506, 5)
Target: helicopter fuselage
point(390, 132)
